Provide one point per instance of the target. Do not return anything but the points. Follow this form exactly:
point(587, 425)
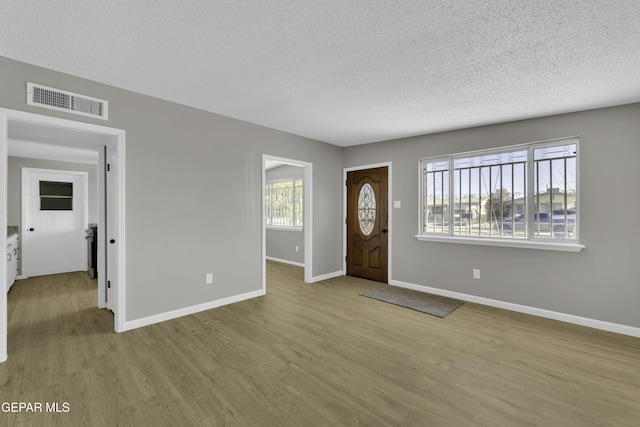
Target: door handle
point(112, 241)
point(31, 229)
point(384, 230)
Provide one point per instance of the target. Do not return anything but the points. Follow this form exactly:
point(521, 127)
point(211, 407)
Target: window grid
point(556, 168)
point(521, 192)
point(436, 179)
point(283, 203)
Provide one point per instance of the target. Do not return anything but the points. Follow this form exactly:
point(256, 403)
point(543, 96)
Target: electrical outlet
point(476, 273)
point(297, 248)
point(209, 279)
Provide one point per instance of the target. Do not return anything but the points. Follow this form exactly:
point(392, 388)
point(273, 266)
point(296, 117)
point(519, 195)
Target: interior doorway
point(108, 144)
point(307, 212)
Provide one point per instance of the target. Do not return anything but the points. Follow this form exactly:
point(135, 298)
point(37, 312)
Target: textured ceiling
point(344, 72)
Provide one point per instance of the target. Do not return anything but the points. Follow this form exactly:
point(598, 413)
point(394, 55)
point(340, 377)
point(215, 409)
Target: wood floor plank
point(306, 355)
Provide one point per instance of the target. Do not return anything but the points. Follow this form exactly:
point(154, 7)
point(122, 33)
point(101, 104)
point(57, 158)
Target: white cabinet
point(12, 260)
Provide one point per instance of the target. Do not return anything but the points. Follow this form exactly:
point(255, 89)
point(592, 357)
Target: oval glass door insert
point(366, 209)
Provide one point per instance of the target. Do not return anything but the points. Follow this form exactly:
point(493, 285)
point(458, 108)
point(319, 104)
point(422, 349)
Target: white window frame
point(269, 215)
point(530, 242)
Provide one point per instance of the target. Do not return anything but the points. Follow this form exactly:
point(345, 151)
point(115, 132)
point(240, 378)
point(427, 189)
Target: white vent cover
point(61, 100)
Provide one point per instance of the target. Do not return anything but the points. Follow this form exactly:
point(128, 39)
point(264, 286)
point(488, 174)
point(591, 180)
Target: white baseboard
point(540, 312)
point(285, 261)
point(326, 276)
point(313, 279)
point(157, 318)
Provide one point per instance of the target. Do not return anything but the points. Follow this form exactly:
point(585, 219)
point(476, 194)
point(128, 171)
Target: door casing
point(110, 139)
point(308, 216)
point(389, 210)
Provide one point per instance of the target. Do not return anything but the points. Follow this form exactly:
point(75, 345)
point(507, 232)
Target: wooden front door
point(367, 224)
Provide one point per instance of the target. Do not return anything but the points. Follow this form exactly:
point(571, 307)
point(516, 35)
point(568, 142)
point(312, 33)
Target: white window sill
point(280, 228)
point(525, 244)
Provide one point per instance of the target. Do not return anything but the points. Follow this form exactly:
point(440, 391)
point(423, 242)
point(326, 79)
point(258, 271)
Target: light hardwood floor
point(310, 355)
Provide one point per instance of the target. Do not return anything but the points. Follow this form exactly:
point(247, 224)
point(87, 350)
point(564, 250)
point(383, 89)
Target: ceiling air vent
point(61, 100)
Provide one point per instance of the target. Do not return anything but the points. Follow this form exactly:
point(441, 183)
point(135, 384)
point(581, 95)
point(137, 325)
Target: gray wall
point(193, 195)
point(193, 192)
point(282, 244)
point(600, 282)
point(14, 184)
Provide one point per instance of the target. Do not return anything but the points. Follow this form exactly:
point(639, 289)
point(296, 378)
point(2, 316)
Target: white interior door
point(54, 221)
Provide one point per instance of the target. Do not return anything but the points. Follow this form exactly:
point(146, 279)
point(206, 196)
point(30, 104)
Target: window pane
point(52, 189)
point(555, 192)
point(436, 197)
point(56, 196)
point(298, 211)
point(486, 188)
point(366, 209)
point(284, 203)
